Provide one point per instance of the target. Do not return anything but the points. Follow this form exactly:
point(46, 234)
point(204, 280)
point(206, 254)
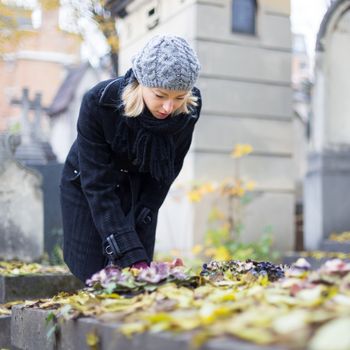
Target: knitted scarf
point(148, 141)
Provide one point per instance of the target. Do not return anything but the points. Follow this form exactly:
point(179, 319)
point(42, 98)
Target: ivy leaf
point(52, 331)
point(51, 317)
point(110, 287)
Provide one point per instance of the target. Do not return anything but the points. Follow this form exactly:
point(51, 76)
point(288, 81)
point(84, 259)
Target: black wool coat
point(102, 192)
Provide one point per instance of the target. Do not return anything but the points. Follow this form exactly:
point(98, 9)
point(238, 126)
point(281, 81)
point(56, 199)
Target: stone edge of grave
point(16, 287)
point(29, 331)
point(315, 263)
point(334, 246)
point(5, 331)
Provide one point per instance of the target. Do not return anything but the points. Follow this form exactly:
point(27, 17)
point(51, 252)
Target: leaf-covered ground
point(340, 237)
point(258, 302)
point(19, 268)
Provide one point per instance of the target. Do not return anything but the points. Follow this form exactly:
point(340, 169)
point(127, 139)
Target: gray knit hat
point(167, 62)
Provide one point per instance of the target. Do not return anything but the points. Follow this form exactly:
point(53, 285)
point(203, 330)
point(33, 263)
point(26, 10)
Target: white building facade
point(244, 47)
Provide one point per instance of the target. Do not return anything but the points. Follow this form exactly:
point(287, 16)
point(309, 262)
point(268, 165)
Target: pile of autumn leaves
point(20, 268)
point(258, 302)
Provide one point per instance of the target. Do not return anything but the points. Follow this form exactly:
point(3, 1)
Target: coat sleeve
point(155, 193)
point(98, 174)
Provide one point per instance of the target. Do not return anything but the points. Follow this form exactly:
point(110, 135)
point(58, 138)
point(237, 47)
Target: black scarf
point(148, 141)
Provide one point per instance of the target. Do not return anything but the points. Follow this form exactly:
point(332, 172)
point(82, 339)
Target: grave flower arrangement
point(258, 302)
point(113, 279)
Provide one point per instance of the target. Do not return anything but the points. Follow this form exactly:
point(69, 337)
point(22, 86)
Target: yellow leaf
point(263, 280)
point(175, 252)
point(4, 311)
point(222, 253)
point(333, 335)
point(340, 237)
point(291, 322)
point(256, 335)
point(207, 188)
point(197, 249)
point(250, 185)
point(216, 214)
point(132, 328)
point(199, 339)
point(210, 252)
point(194, 196)
point(241, 150)
point(50, 4)
point(92, 339)
point(239, 191)
point(109, 296)
point(206, 314)
point(159, 317)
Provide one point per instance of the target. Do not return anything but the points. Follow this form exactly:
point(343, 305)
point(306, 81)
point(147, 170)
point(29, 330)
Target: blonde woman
point(133, 135)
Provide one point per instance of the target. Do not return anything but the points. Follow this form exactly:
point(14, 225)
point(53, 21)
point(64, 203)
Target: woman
point(133, 135)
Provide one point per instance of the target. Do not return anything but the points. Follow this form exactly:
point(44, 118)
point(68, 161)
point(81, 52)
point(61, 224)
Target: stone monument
point(21, 205)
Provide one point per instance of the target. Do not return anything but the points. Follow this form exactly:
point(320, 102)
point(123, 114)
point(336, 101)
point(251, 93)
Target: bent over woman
point(133, 135)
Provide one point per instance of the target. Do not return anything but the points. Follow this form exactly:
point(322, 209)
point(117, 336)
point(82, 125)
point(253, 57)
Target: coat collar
point(110, 93)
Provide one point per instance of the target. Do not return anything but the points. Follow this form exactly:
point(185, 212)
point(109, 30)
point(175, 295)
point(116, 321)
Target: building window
point(152, 16)
point(244, 16)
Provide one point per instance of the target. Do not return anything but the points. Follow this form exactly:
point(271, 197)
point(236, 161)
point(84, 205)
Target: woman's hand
point(141, 265)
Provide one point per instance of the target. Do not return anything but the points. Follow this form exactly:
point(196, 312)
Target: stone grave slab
point(36, 286)
point(29, 331)
point(31, 287)
point(5, 331)
point(290, 258)
point(334, 246)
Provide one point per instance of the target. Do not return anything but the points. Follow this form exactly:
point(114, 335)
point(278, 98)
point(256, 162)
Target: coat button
point(147, 219)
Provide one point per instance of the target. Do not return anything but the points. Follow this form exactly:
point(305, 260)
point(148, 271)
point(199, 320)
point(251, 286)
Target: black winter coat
point(103, 193)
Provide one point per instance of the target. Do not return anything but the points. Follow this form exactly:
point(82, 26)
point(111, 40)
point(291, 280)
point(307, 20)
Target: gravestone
point(36, 153)
point(53, 232)
point(31, 150)
point(327, 183)
point(21, 205)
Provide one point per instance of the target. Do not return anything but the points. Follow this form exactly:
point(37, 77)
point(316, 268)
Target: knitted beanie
point(167, 62)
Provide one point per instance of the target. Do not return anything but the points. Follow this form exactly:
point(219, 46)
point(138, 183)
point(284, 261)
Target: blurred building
point(300, 61)
point(64, 108)
point(327, 184)
point(245, 50)
point(38, 63)
point(301, 85)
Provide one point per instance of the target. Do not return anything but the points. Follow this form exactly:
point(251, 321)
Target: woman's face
point(163, 102)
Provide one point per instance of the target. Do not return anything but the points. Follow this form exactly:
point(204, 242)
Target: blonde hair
point(134, 104)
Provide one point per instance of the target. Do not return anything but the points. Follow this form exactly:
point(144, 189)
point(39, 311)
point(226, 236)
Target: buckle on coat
point(111, 247)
